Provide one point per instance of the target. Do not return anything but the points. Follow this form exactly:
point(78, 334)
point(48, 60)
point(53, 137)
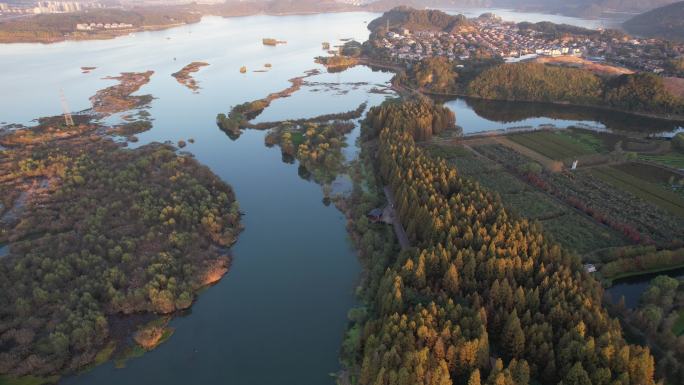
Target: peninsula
point(184, 76)
point(104, 243)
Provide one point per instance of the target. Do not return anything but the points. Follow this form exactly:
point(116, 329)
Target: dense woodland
point(660, 317)
point(422, 118)
point(488, 78)
point(435, 74)
point(240, 115)
point(414, 19)
point(317, 146)
point(483, 298)
point(643, 92)
point(537, 82)
point(96, 232)
point(557, 30)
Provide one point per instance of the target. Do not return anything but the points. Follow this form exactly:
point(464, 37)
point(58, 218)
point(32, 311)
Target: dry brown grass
point(599, 69)
point(215, 269)
point(149, 338)
point(675, 86)
point(548, 163)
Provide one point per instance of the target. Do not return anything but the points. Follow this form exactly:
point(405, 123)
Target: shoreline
point(113, 34)
point(108, 35)
point(216, 259)
point(185, 75)
point(636, 274)
point(679, 119)
point(404, 90)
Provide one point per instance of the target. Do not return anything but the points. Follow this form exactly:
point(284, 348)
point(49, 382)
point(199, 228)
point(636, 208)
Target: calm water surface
point(632, 288)
point(279, 315)
point(477, 116)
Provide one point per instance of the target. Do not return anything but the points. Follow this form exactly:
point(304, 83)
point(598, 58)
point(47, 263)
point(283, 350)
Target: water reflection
point(632, 288)
point(476, 116)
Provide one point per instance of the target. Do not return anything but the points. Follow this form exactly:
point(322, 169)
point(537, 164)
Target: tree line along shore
point(618, 215)
point(483, 297)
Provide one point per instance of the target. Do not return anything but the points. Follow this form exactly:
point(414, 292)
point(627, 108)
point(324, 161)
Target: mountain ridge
point(665, 22)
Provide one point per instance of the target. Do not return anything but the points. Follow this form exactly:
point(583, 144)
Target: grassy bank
point(610, 281)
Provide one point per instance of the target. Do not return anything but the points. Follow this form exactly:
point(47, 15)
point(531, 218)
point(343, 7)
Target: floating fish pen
point(272, 42)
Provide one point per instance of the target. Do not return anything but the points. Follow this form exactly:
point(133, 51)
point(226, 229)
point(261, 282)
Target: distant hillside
point(581, 8)
point(414, 19)
point(385, 5)
point(585, 8)
point(48, 28)
point(665, 22)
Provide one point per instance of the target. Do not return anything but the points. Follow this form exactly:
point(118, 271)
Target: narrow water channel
point(279, 315)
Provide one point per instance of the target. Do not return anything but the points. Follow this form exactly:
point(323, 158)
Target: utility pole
point(68, 119)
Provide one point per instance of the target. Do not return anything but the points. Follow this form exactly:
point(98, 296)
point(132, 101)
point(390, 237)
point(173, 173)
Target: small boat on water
point(243, 69)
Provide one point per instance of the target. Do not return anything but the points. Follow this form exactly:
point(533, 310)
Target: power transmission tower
point(68, 119)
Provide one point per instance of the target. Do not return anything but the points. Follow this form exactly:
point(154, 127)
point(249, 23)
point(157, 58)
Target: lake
point(633, 287)
point(279, 315)
point(477, 116)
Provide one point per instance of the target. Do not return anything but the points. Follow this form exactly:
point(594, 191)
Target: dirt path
point(601, 69)
point(548, 163)
point(398, 228)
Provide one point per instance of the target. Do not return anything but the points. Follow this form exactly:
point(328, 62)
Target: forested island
point(104, 243)
point(347, 57)
point(317, 147)
point(239, 116)
point(119, 97)
point(184, 76)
